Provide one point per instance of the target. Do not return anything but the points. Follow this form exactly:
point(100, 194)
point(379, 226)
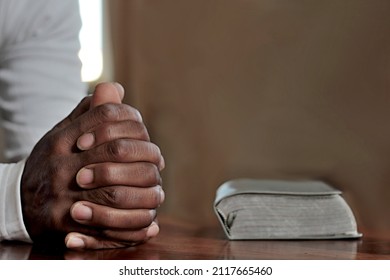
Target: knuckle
point(139, 130)
point(150, 173)
point(114, 112)
point(117, 148)
point(107, 196)
point(146, 217)
point(108, 112)
point(148, 198)
point(131, 113)
point(154, 150)
point(156, 197)
point(143, 132)
point(111, 195)
point(105, 173)
point(106, 132)
point(140, 198)
point(133, 150)
point(124, 129)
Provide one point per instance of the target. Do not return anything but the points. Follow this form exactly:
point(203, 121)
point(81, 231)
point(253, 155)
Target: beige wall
point(265, 89)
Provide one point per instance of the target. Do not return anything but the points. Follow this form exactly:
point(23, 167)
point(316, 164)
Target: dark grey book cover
point(275, 209)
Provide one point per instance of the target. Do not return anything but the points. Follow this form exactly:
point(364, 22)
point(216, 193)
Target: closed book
point(276, 209)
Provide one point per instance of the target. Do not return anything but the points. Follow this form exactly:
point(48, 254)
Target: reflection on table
point(183, 241)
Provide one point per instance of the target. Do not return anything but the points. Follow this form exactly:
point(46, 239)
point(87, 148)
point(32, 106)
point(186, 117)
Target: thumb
point(107, 93)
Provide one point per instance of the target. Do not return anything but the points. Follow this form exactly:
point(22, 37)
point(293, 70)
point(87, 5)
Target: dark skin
point(94, 179)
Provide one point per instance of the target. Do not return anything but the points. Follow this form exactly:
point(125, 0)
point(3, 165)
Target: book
point(275, 209)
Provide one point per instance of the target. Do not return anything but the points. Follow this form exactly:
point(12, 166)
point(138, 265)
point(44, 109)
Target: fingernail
point(81, 212)
point(120, 89)
point(75, 243)
point(162, 195)
point(85, 176)
point(161, 164)
point(86, 141)
point(139, 116)
point(153, 230)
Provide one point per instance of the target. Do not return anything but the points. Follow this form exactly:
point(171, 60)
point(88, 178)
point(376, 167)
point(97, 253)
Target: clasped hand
point(94, 179)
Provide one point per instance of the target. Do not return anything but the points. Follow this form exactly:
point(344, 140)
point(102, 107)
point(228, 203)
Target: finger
point(107, 93)
point(125, 197)
point(104, 93)
point(107, 113)
point(91, 119)
point(138, 174)
point(120, 89)
point(78, 241)
point(80, 109)
point(91, 214)
point(109, 131)
point(123, 150)
point(133, 236)
point(161, 165)
point(112, 239)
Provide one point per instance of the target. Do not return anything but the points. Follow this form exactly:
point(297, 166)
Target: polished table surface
point(182, 241)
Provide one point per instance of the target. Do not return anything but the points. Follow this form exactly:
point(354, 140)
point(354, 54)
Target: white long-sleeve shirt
point(39, 85)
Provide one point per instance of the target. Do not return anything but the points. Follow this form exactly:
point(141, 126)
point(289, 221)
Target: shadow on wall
point(264, 89)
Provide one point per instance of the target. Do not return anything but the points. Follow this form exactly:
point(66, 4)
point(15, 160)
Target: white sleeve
point(40, 84)
point(40, 72)
point(11, 220)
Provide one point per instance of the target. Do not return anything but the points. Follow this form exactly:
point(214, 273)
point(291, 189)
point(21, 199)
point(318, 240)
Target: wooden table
point(183, 241)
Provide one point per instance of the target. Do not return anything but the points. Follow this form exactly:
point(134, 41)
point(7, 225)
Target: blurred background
point(273, 89)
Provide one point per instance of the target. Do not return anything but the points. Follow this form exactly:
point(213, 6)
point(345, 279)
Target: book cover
point(275, 209)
